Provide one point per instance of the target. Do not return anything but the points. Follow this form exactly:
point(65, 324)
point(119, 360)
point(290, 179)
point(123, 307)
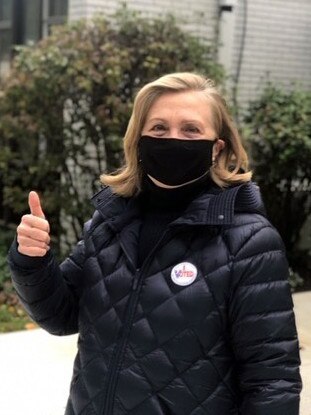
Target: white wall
point(277, 45)
point(277, 42)
point(199, 17)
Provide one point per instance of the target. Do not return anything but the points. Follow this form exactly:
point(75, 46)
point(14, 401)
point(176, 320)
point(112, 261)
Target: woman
point(179, 287)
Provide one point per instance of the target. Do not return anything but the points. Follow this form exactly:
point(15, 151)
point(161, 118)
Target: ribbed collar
point(207, 208)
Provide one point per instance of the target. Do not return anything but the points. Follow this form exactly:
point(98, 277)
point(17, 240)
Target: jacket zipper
point(112, 376)
point(117, 357)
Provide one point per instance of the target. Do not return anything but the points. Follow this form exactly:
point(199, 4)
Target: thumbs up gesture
point(33, 233)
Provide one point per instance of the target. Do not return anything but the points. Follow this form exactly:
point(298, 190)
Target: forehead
point(192, 104)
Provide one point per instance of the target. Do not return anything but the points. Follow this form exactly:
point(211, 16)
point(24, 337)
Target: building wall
point(276, 36)
point(277, 45)
point(198, 17)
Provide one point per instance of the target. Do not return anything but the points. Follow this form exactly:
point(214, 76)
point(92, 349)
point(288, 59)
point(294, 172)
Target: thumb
point(35, 205)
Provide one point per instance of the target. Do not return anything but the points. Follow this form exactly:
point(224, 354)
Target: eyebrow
point(183, 121)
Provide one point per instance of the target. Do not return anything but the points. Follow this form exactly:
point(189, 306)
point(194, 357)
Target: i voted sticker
point(184, 273)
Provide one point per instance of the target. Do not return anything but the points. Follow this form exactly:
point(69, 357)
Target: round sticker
point(184, 273)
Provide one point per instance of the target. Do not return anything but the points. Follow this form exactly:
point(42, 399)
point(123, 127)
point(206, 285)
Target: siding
point(198, 17)
point(277, 45)
point(277, 42)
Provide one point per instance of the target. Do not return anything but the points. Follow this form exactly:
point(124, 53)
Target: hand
point(33, 233)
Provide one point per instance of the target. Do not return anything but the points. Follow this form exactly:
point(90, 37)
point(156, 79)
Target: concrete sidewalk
point(302, 303)
point(35, 372)
point(36, 368)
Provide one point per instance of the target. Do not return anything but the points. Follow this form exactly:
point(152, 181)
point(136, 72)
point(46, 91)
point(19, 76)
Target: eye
point(158, 130)
point(158, 127)
point(192, 129)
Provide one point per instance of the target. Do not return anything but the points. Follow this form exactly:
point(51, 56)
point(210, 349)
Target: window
point(5, 10)
point(58, 8)
point(6, 35)
point(55, 13)
point(32, 21)
point(25, 21)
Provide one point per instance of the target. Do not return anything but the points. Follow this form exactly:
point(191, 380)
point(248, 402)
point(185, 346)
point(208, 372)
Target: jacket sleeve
point(48, 291)
point(263, 330)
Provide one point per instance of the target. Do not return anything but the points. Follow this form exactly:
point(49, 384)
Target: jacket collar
point(219, 209)
point(207, 209)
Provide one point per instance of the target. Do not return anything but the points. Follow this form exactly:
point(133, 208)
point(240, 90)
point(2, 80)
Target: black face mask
point(173, 161)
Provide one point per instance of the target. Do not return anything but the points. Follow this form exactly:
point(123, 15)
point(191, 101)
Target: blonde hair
point(232, 162)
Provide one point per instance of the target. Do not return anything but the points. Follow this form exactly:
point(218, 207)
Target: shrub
point(279, 134)
point(66, 104)
point(12, 314)
point(4, 272)
point(6, 238)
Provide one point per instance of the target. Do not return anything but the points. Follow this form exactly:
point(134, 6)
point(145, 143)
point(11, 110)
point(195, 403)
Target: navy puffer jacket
point(205, 327)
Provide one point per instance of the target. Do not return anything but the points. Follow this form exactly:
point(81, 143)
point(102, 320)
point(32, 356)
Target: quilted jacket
point(204, 327)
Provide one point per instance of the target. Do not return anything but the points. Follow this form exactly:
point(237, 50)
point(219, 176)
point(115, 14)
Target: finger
point(33, 233)
point(36, 222)
point(24, 241)
point(35, 205)
point(33, 252)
